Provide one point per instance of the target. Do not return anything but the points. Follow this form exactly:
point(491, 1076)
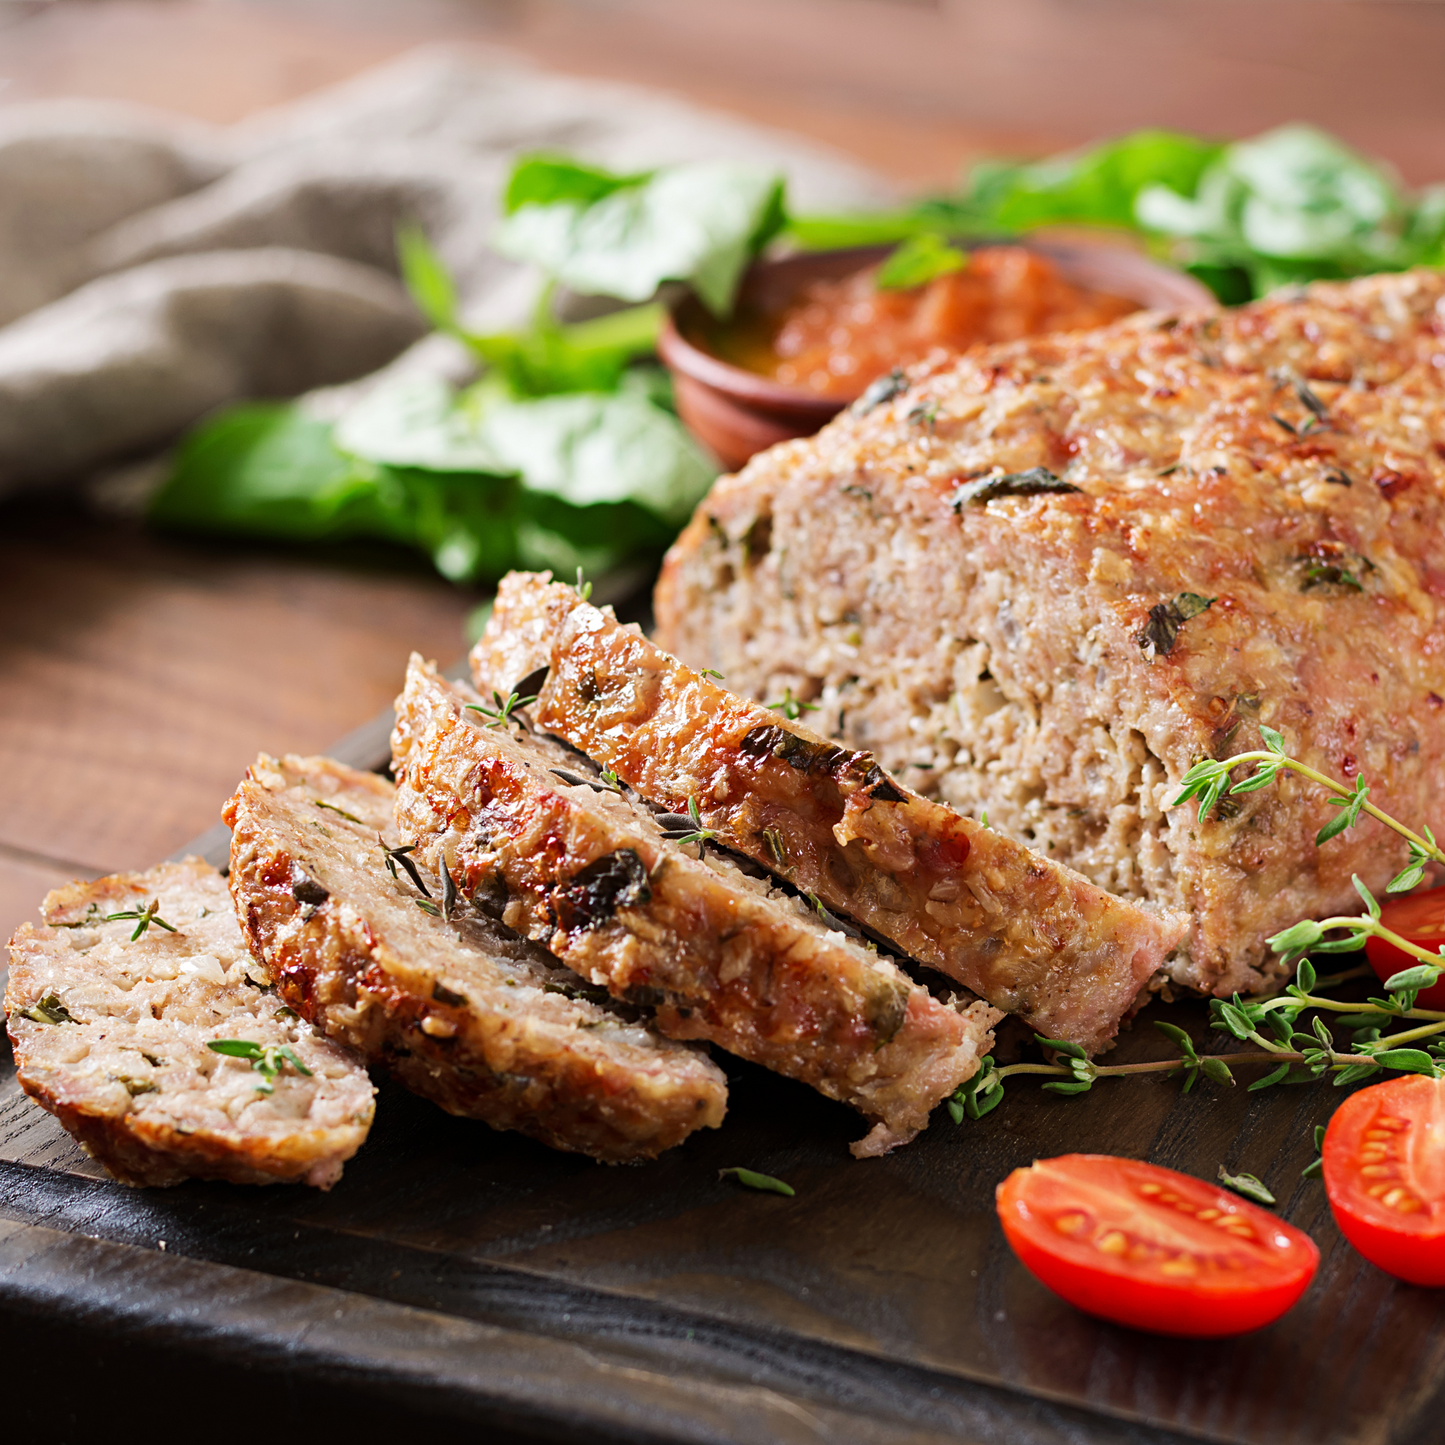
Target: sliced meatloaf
point(112, 1006)
point(456, 1006)
point(1028, 935)
point(528, 827)
point(1046, 578)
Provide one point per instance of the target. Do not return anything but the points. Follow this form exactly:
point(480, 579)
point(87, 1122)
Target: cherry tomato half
point(1385, 1176)
point(1146, 1247)
point(1421, 919)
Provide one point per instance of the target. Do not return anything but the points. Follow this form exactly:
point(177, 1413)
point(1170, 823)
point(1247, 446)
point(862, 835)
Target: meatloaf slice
point(1046, 578)
point(1028, 935)
point(458, 1008)
point(528, 827)
point(111, 1019)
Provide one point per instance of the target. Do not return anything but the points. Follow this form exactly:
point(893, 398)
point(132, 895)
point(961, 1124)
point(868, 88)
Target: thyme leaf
point(1161, 628)
point(751, 1179)
point(332, 808)
point(1246, 1184)
point(1033, 483)
point(695, 832)
point(401, 856)
point(880, 391)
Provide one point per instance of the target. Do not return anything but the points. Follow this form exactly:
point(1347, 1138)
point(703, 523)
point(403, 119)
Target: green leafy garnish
point(751, 1179)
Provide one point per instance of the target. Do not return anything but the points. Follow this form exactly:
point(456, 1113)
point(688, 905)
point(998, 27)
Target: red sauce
point(836, 336)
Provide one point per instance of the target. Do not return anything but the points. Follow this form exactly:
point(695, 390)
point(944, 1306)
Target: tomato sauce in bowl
point(839, 333)
point(819, 318)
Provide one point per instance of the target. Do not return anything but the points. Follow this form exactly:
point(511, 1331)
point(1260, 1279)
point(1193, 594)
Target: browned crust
point(719, 960)
point(341, 967)
point(1029, 936)
point(136, 1149)
point(848, 567)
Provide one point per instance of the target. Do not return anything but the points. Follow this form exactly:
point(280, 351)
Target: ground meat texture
point(1254, 539)
point(1028, 935)
point(458, 1009)
point(721, 955)
point(111, 1035)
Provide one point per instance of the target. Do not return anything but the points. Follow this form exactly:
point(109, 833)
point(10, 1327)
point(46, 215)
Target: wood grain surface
point(139, 675)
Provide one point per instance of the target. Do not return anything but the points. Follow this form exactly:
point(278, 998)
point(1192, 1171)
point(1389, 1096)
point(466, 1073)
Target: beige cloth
point(152, 269)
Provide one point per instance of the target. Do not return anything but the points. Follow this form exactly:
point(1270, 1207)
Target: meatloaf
point(111, 1007)
point(576, 862)
point(1028, 935)
point(1043, 579)
point(456, 1006)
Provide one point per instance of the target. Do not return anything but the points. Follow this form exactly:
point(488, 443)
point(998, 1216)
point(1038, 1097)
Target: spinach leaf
point(267, 469)
point(592, 447)
point(1295, 205)
point(545, 178)
point(1096, 186)
point(420, 422)
point(917, 261)
point(700, 224)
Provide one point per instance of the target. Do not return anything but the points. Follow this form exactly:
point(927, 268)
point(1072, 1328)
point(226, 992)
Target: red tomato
point(1144, 1246)
point(1421, 919)
point(1385, 1175)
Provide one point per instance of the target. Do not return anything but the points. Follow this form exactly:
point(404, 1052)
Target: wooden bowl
point(735, 412)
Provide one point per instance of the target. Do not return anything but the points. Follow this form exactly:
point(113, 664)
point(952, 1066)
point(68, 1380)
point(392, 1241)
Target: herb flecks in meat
point(590, 897)
point(880, 391)
point(332, 808)
point(1330, 574)
point(1035, 482)
point(1161, 629)
point(48, 1010)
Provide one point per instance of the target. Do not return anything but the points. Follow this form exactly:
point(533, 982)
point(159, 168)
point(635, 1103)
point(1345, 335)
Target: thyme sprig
point(793, 707)
point(683, 829)
point(267, 1059)
point(505, 707)
point(395, 856)
point(1209, 780)
point(1294, 1056)
point(144, 917)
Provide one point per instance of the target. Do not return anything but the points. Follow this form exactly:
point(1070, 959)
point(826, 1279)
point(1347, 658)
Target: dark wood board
point(464, 1274)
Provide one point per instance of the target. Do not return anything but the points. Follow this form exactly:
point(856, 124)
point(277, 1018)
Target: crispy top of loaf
point(1244, 530)
point(111, 1035)
point(1028, 935)
point(459, 1008)
point(723, 955)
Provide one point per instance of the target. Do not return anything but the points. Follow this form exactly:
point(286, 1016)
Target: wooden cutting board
point(568, 1301)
